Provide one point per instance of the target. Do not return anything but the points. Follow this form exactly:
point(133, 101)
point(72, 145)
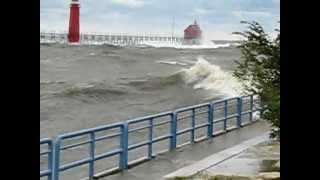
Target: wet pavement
point(172, 161)
point(250, 163)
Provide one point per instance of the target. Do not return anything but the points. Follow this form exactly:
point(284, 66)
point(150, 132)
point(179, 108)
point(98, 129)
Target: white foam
point(256, 115)
point(47, 41)
point(179, 45)
point(46, 61)
point(52, 82)
point(172, 63)
point(155, 44)
point(209, 76)
point(84, 85)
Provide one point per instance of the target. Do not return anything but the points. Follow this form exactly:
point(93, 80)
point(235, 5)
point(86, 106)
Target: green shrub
point(259, 70)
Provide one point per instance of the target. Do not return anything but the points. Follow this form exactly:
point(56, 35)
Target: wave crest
point(207, 76)
point(94, 92)
point(205, 45)
point(201, 75)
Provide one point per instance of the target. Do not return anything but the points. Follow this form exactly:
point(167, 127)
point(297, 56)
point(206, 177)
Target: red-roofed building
point(192, 34)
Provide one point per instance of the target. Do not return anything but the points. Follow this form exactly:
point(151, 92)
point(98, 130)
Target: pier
point(74, 34)
point(117, 39)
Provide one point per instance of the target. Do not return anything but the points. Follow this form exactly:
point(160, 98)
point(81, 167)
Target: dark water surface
point(86, 86)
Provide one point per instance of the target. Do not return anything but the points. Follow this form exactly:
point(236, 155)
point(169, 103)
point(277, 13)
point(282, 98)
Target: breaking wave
point(156, 83)
point(51, 82)
point(176, 45)
point(207, 76)
point(146, 44)
point(172, 63)
point(92, 91)
point(202, 75)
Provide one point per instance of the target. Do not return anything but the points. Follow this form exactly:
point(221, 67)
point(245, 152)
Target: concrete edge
point(217, 158)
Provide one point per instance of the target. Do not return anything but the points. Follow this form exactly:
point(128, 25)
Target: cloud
point(217, 18)
point(200, 11)
point(129, 3)
point(254, 14)
point(113, 15)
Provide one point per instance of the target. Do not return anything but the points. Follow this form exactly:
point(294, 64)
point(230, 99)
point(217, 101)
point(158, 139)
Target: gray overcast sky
point(217, 18)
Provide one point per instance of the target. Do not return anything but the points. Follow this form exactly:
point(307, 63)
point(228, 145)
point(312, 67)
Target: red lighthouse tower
point(74, 28)
point(193, 34)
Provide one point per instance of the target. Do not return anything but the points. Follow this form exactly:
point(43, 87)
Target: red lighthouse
point(192, 34)
point(74, 28)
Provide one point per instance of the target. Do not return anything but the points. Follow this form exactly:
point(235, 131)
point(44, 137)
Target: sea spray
point(145, 44)
point(201, 75)
point(179, 45)
point(207, 76)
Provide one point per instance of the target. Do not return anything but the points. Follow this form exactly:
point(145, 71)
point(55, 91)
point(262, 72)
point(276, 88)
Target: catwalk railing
point(87, 38)
point(124, 140)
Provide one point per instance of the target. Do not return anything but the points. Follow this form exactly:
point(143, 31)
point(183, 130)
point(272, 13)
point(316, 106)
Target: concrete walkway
point(169, 162)
point(225, 162)
point(261, 161)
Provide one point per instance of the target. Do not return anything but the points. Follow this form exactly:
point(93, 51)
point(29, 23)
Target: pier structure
point(118, 39)
point(74, 35)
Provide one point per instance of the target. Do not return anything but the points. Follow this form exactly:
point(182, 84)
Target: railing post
point(210, 121)
point(56, 162)
point(123, 164)
point(239, 109)
point(92, 149)
point(173, 142)
point(50, 149)
point(225, 115)
point(150, 138)
point(193, 124)
point(251, 107)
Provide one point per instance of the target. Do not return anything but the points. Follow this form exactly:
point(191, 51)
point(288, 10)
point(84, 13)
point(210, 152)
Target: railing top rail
point(90, 130)
point(187, 108)
point(226, 99)
point(137, 120)
point(245, 96)
point(45, 140)
point(206, 104)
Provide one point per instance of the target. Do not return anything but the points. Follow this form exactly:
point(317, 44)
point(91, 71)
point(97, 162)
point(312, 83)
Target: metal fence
point(89, 38)
point(155, 134)
point(46, 158)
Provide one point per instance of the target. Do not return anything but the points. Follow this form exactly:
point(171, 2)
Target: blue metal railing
point(92, 155)
point(151, 124)
point(47, 152)
point(199, 121)
point(193, 114)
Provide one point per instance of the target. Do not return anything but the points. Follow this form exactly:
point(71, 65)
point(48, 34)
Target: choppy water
point(86, 86)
